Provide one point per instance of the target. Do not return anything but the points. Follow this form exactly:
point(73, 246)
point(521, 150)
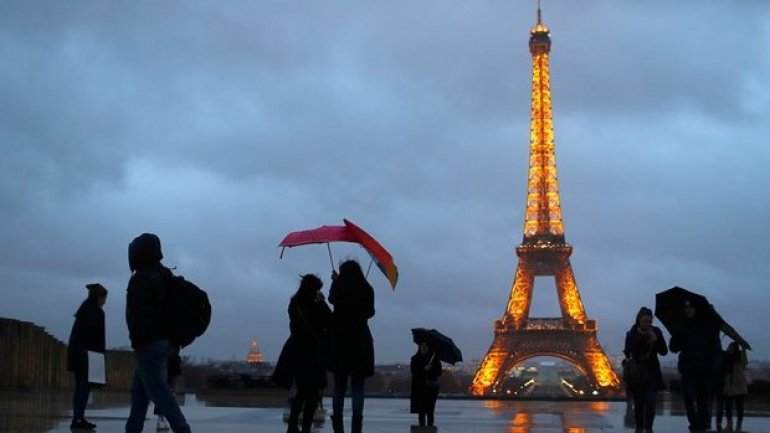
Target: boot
point(337, 425)
point(356, 424)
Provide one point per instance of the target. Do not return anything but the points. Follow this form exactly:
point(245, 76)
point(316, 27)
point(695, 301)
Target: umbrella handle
point(371, 260)
point(331, 260)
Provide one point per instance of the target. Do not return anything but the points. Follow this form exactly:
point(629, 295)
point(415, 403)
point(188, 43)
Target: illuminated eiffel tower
point(543, 252)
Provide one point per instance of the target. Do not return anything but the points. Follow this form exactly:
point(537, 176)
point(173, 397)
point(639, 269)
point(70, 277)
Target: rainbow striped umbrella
point(347, 233)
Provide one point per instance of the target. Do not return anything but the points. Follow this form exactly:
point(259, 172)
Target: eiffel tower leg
point(488, 375)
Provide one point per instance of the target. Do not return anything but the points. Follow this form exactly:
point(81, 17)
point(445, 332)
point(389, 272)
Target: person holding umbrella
point(351, 341)
point(644, 343)
point(695, 326)
point(425, 368)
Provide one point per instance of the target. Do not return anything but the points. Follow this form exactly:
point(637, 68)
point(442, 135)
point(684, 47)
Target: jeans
point(149, 384)
point(356, 393)
point(644, 408)
point(80, 397)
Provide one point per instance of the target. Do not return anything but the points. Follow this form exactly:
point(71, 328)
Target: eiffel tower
point(543, 252)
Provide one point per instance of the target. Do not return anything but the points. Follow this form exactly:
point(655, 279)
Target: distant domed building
point(254, 356)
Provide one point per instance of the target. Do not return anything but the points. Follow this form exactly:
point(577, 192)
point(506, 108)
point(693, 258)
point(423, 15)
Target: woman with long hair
point(302, 362)
point(735, 388)
point(644, 343)
point(352, 343)
point(87, 335)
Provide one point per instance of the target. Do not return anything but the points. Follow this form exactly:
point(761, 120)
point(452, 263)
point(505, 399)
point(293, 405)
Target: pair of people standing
point(696, 339)
point(701, 359)
point(149, 330)
point(339, 341)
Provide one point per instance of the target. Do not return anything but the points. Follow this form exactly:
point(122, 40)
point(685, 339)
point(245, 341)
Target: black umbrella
point(670, 304)
point(443, 346)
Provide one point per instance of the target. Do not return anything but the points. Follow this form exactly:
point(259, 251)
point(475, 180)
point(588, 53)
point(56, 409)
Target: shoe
point(162, 424)
point(82, 424)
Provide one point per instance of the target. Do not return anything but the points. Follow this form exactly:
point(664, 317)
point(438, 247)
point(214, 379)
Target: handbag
point(635, 371)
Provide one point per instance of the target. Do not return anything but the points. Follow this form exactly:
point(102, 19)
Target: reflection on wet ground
point(35, 412)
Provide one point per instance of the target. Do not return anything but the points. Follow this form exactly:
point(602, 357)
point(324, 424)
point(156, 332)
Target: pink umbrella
point(320, 235)
point(347, 233)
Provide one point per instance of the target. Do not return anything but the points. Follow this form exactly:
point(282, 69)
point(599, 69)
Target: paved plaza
point(41, 413)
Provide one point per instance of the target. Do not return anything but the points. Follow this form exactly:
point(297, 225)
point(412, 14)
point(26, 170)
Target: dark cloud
point(222, 127)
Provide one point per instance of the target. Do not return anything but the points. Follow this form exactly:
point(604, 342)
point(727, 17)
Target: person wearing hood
point(147, 305)
point(644, 342)
point(87, 335)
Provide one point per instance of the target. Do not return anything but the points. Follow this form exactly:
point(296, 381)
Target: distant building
point(254, 356)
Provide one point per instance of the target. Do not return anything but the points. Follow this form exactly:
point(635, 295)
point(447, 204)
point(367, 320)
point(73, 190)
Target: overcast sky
point(222, 126)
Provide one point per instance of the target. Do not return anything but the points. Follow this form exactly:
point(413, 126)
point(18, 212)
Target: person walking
point(644, 342)
point(302, 361)
point(426, 369)
point(147, 318)
point(87, 335)
point(735, 386)
point(696, 339)
point(352, 343)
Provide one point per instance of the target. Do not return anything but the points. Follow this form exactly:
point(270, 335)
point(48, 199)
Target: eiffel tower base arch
point(574, 343)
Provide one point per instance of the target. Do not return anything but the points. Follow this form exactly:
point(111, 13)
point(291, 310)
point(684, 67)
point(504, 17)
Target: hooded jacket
point(147, 299)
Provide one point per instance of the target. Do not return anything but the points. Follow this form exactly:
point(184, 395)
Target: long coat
point(638, 346)
point(351, 339)
point(303, 357)
point(424, 382)
point(87, 335)
point(735, 376)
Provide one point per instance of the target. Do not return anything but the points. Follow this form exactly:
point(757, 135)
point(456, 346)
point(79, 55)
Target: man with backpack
point(152, 322)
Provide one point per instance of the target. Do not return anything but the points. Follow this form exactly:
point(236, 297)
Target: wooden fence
point(31, 358)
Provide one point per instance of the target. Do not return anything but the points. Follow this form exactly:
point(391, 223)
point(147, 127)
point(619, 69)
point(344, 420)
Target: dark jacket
point(87, 334)
point(303, 357)
point(351, 339)
point(147, 306)
point(697, 342)
point(638, 346)
point(424, 382)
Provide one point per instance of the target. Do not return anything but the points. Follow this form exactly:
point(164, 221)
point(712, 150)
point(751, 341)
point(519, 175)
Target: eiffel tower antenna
point(539, 14)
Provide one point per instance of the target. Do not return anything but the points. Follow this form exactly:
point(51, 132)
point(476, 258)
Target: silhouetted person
point(87, 335)
point(302, 360)
point(425, 368)
point(696, 340)
point(644, 343)
point(735, 386)
point(352, 344)
point(147, 312)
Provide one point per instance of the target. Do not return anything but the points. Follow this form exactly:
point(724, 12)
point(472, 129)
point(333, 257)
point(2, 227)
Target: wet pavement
point(44, 413)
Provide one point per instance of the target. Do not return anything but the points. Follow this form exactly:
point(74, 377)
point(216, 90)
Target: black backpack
point(190, 311)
